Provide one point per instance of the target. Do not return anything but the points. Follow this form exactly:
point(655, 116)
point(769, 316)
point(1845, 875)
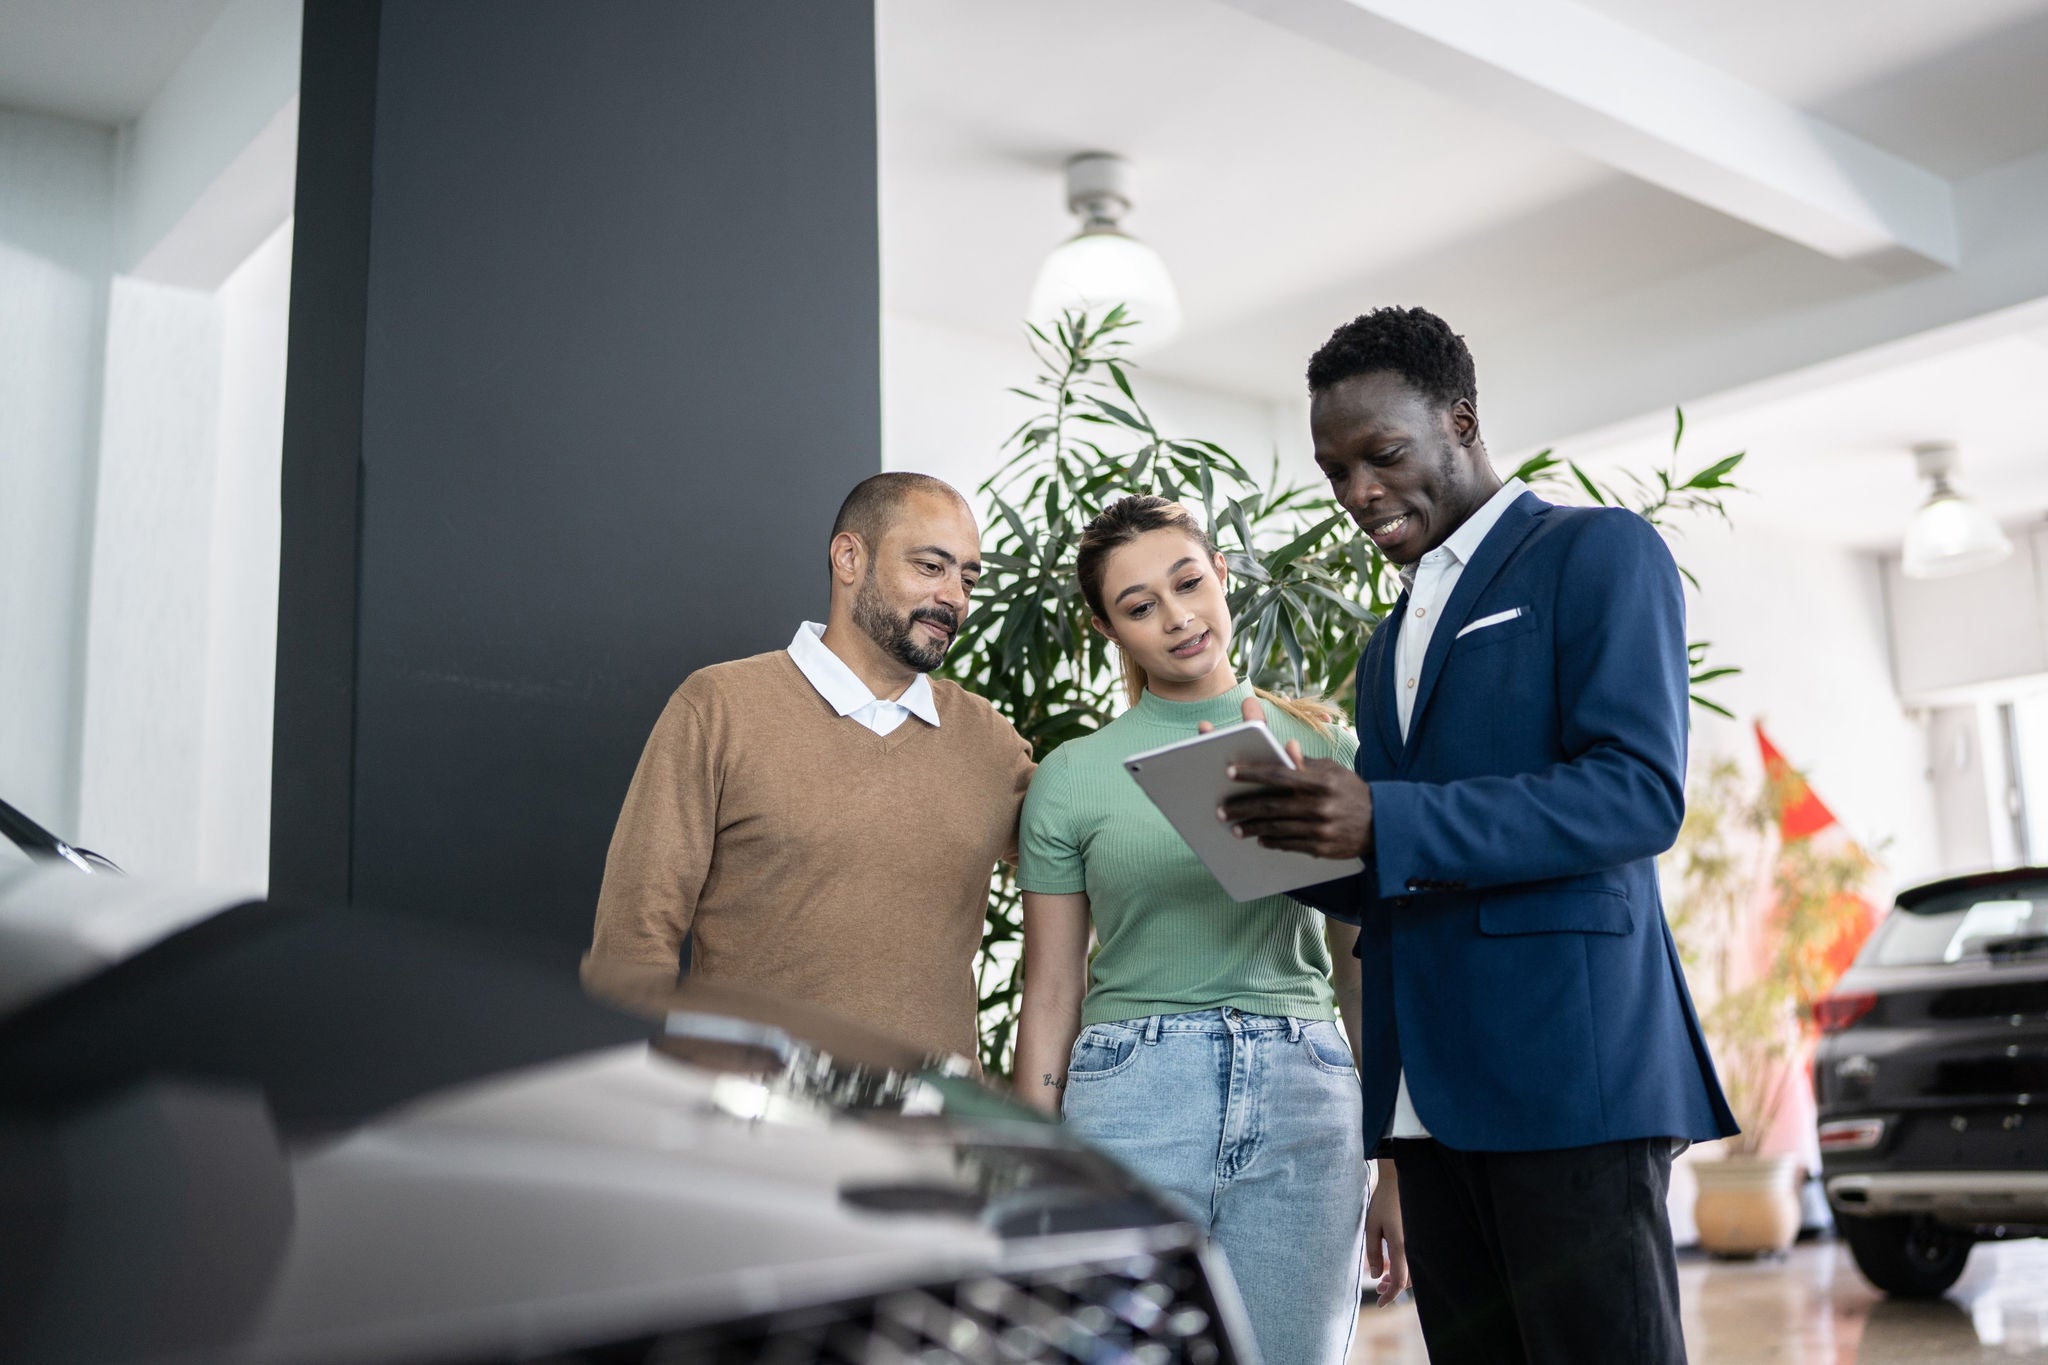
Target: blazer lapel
point(1494, 551)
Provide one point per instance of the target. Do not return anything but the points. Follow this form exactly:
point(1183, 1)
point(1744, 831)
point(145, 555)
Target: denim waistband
point(1226, 1019)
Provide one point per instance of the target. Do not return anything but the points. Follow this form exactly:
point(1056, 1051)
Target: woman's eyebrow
point(1178, 565)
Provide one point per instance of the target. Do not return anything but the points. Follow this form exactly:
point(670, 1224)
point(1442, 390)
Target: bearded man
point(820, 823)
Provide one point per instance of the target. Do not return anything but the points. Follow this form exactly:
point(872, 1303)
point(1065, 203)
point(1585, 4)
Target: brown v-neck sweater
point(808, 857)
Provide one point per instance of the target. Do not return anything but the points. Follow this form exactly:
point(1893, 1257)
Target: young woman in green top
point(1198, 1046)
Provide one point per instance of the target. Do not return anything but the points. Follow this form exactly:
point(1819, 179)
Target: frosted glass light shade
point(1951, 535)
point(1099, 269)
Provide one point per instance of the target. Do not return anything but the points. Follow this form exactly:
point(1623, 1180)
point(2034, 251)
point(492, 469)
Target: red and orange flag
point(1803, 815)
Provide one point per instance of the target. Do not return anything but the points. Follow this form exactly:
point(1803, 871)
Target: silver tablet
point(1185, 780)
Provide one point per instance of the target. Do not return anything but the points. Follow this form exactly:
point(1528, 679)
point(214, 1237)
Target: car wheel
point(1909, 1258)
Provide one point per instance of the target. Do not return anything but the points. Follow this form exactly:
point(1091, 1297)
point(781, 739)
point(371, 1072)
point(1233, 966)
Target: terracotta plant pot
point(1748, 1205)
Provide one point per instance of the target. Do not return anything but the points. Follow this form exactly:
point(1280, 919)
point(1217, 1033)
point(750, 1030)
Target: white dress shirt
point(842, 688)
point(1430, 584)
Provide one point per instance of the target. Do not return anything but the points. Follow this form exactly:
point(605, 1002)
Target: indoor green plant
point(1307, 587)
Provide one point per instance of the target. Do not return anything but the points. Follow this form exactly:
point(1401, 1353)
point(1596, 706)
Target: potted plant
point(1755, 916)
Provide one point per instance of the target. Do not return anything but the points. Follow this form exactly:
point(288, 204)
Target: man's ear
point(849, 558)
point(1464, 420)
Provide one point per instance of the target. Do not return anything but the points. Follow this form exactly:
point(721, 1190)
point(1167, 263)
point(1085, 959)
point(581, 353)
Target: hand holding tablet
point(1188, 781)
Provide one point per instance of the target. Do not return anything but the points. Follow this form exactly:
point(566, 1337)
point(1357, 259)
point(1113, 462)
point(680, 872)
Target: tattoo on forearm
point(1059, 1083)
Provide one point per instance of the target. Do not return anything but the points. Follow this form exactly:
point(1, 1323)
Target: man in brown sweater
point(820, 822)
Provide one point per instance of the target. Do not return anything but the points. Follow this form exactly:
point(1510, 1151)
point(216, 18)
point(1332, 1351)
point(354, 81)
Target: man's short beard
point(894, 633)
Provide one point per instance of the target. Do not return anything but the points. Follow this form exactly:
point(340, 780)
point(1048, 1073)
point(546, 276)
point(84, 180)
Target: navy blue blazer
point(1515, 954)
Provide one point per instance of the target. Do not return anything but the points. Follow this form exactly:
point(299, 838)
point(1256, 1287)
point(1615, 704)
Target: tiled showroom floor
point(1812, 1308)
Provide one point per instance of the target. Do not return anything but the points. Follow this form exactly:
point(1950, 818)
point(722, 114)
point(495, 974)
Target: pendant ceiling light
point(1950, 534)
point(1102, 265)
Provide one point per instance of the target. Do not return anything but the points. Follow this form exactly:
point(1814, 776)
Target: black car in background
point(252, 1132)
point(1932, 1080)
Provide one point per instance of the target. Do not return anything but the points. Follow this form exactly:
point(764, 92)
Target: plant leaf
point(1017, 527)
point(1235, 513)
point(1715, 475)
point(1127, 418)
point(1536, 467)
point(1586, 483)
point(1294, 548)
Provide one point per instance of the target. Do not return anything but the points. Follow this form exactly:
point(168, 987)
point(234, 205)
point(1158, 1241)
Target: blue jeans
point(1251, 1123)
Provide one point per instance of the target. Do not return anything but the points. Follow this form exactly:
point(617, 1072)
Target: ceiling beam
point(1605, 90)
point(1768, 319)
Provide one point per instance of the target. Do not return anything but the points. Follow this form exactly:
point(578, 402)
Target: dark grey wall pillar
point(584, 354)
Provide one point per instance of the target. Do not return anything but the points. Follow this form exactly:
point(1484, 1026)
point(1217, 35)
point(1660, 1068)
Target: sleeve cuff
point(1052, 886)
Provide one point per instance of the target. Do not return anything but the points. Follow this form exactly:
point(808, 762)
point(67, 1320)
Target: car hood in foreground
point(411, 1156)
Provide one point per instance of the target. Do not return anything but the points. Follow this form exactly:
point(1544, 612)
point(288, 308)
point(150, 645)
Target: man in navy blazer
point(1532, 1058)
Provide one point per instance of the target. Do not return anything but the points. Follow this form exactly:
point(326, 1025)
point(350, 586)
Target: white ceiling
point(100, 61)
point(1956, 87)
point(1834, 462)
point(1281, 180)
point(1290, 186)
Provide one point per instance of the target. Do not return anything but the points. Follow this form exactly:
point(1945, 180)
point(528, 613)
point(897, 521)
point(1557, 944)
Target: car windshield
point(1979, 924)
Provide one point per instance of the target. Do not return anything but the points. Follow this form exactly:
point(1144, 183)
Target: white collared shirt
point(1435, 577)
point(842, 688)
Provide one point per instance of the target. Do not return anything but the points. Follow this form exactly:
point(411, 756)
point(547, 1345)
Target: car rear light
point(1851, 1135)
point(1836, 1012)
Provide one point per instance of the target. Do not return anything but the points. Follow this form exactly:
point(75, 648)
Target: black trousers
point(1542, 1258)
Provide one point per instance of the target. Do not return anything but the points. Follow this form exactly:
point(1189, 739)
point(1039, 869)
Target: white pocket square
point(1483, 622)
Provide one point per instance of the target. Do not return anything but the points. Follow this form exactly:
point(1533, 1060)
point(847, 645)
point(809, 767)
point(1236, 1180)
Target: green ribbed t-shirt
point(1170, 939)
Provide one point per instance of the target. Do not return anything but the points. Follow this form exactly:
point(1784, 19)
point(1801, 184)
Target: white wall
point(1807, 625)
point(242, 613)
point(208, 169)
point(182, 615)
point(1963, 765)
point(144, 274)
point(56, 201)
point(1974, 635)
point(146, 609)
point(2030, 752)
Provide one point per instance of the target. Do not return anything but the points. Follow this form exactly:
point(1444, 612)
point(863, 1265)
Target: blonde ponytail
point(1132, 675)
point(1317, 714)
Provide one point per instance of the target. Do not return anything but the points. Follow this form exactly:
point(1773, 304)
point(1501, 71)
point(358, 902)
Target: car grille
point(1139, 1310)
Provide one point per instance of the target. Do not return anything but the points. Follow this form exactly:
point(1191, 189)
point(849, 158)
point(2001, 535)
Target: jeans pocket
point(1325, 1045)
point(1102, 1050)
